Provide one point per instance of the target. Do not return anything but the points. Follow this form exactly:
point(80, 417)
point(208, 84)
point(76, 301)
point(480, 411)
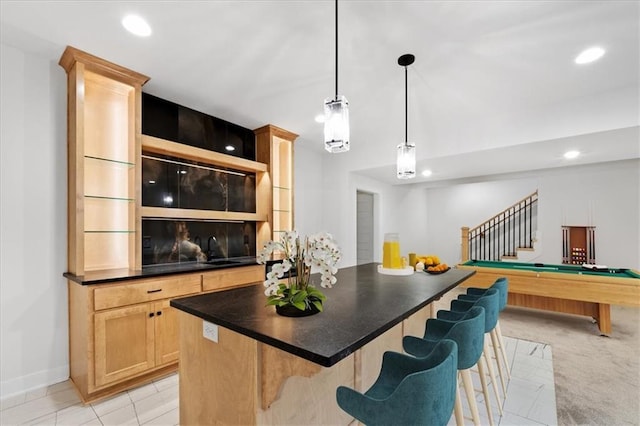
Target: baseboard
point(12, 387)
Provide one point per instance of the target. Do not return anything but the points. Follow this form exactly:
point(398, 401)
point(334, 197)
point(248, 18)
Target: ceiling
point(494, 88)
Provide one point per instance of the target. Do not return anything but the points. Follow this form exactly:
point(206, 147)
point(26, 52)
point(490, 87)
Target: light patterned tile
point(522, 396)
point(157, 405)
point(534, 369)
point(47, 420)
point(510, 419)
point(142, 392)
point(167, 419)
point(35, 394)
point(64, 398)
point(112, 404)
point(543, 409)
point(166, 382)
point(76, 415)
point(122, 416)
point(94, 422)
point(58, 387)
point(38, 407)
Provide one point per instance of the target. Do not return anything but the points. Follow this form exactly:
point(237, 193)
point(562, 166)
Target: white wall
point(452, 207)
point(307, 187)
point(339, 206)
point(33, 294)
point(605, 195)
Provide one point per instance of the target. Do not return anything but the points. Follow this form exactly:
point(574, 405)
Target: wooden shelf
point(162, 146)
point(161, 212)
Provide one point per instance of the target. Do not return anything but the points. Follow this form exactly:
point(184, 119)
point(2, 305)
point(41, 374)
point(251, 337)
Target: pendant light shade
point(336, 124)
point(406, 162)
point(336, 114)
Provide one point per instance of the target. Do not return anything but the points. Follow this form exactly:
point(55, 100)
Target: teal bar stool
point(468, 333)
point(489, 302)
point(497, 341)
point(408, 391)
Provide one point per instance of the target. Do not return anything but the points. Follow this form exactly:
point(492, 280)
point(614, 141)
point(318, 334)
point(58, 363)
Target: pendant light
point(336, 114)
point(406, 165)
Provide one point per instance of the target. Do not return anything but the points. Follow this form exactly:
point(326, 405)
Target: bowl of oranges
point(440, 268)
point(431, 264)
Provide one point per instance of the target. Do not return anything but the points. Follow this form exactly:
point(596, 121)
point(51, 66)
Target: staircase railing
point(503, 234)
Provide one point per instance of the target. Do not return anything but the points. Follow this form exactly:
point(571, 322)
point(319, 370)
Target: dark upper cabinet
point(174, 183)
point(177, 123)
point(159, 118)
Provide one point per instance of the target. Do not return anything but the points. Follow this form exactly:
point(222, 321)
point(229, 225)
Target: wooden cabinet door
point(124, 343)
point(166, 333)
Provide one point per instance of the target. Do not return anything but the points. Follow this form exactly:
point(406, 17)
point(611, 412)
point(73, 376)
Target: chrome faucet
point(210, 252)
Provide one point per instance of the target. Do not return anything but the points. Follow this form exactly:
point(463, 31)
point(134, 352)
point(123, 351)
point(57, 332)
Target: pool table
point(561, 288)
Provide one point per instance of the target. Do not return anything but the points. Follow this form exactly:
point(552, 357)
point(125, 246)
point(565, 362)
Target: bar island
point(264, 368)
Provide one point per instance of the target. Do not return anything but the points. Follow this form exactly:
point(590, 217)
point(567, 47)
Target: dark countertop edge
point(112, 276)
point(294, 350)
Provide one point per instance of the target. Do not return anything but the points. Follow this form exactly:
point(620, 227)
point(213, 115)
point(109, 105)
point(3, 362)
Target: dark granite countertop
point(360, 307)
point(115, 275)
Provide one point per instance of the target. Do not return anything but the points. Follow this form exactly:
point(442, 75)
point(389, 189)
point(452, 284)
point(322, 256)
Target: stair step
point(509, 256)
point(526, 248)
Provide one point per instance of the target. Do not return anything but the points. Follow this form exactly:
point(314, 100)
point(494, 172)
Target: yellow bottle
point(391, 252)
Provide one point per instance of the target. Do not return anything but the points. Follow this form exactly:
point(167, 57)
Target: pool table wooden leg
point(604, 318)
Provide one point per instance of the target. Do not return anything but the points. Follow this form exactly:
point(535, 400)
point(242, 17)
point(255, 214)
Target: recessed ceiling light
point(569, 155)
point(319, 118)
point(426, 173)
point(589, 55)
point(230, 148)
point(136, 25)
point(152, 182)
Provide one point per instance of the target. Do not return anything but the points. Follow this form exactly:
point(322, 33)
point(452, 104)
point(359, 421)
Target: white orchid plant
point(318, 251)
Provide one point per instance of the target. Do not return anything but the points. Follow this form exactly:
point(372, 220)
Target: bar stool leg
point(502, 349)
point(487, 357)
point(457, 411)
point(496, 350)
point(471, 395)
point(485, 390)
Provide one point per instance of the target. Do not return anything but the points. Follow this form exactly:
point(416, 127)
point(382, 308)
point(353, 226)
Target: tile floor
point(530, 398)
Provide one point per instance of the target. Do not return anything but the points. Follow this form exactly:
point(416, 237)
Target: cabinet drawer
point(147, 290)
point(232, 277)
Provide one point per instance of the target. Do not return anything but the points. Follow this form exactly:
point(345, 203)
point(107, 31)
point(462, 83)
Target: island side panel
point(371, 355)
point(415, 325)
point(218, 381)
point(306, 398)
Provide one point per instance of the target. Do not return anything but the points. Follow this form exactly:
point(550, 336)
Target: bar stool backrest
point(468, 333)
point(489, 301)
point(411, 391)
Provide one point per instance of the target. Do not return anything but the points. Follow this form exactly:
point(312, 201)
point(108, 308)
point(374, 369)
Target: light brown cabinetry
point(124, 333)
point(103, 126)
point(133, 340)
point(274, 147)
point(234, 277)
point(124, 343)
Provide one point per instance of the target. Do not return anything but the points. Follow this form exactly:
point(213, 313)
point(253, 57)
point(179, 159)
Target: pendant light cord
point(406, 110)
point(336, 50)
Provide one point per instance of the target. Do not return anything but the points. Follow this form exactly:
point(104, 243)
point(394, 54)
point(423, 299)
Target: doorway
point(364, 228)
